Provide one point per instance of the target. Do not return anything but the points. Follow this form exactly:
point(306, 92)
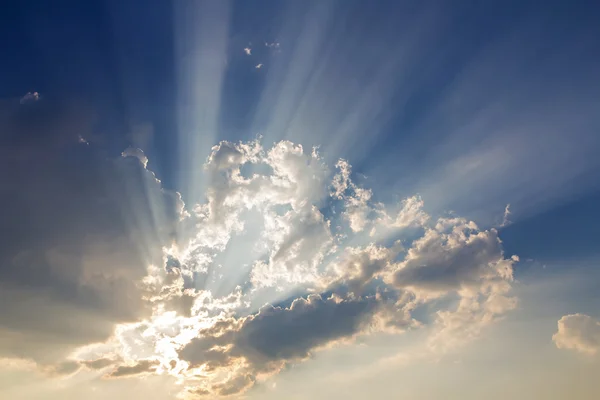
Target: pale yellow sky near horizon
point(513, 359)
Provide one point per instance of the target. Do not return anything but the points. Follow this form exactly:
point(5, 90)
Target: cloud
point(126, 371)
point(361, 289)
point(358, 266)
point(136, 153)
point(453, 255)
point(236, 385)
point(578, 332)
point(356, 199)
point(229, 387)
point(278, 333)
point(30, 97)
point(109, 269)
point(99, 363)
point(300, 240)
point(264, 343)
point(505, 220)
point(258, 66)
point(248, 50)
point(362, 213)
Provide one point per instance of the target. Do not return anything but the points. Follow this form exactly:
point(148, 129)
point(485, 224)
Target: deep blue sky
point(119, 58)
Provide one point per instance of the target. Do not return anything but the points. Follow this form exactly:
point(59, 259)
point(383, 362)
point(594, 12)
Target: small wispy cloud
point(30, 97)
point(505, 220)
point(258, 66)
point(273, 45)
point(248, 50)
point(137, 153)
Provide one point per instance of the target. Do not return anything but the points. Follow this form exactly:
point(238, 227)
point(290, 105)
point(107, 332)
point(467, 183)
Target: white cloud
point(248, 50)
point(258, 66)
point(30, 97)
point(356, 199)
point(362, 213)
point(505, 220)
point(136, 153)
point(578, 332)
point(299, 241)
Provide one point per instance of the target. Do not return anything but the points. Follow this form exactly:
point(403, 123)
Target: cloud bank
point(104, 270)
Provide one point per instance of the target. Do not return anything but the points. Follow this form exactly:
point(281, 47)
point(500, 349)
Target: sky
point(299, 199)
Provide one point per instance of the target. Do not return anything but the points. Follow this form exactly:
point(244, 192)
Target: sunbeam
point(323, 199)
point(201, 31)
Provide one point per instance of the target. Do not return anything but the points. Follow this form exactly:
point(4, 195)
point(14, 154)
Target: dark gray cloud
point(78, 229)
point(278, 334)
point(274, 337)
point(444, 261)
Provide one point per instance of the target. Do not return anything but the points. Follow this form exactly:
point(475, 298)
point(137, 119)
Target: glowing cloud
point(353, 284)
point(285, 257)
point(578, 332)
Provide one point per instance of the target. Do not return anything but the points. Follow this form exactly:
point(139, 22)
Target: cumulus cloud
point(248, 50)
point(357, 290)
point(453, 255)
point(119, 274)
point(578, 332)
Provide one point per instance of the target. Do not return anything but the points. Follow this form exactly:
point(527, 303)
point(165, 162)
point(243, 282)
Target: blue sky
point(313, 178)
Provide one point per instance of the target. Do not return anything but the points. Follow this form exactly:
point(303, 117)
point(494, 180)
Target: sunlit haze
point(297, 200)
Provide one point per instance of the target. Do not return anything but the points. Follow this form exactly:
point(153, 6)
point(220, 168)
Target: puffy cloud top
point(578, 332)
